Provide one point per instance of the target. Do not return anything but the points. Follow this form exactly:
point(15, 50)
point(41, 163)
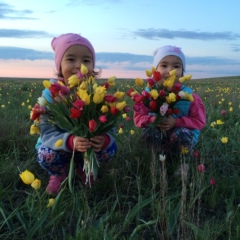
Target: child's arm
point(141, 117)
point(197, 115)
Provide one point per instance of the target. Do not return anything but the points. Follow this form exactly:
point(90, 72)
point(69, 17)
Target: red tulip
point(114, 110)
point(92, 125)
point(201, 168)
point(212, 181)
point(103, 118)
point(75, 113)
point(157, 76)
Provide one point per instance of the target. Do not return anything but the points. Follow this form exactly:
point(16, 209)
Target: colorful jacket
point(192, 115)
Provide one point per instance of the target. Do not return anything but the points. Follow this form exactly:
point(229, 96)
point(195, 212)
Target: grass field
point(137, 196)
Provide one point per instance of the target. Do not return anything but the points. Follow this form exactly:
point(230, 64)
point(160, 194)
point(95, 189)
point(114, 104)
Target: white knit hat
point(164, 51)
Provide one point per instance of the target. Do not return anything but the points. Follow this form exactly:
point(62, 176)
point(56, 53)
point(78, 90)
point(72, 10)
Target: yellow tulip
point(173, 72)
point(51, 202)
point(47, 84)
point(83, 69)
point(119, 95)
point(220, 122)
point(27, 177)
point(73, 81)
point(132, 132)
point(154, 93)
point(86, 99)
point(120, 131)
point(59, 143)
point(34, 129)
point(91, 80)
point(111, 81)
point(36, 184)
point(104, 109)
point(171, 98)
point(184, 150)
point(139, 82)
point(83, 85)
point(185, 78)
point(148, 73)
point(23, 104)
point(121, 105)
point(153, 69)
point(98, 98)
point(224, 140)
point(189, 97)
point(230, 109)
point(124, 115)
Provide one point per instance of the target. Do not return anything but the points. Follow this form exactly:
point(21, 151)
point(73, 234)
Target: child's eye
point(70, 59)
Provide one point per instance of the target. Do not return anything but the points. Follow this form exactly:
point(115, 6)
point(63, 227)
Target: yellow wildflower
point(224, 140)
point(184, 150)
point(230, 109)
point(220, 122)
point(50, 202)
point(23, 104)
point(132, 132)
point(27, 177)
point(36, 184)
point(120, 131)
point(124, 115)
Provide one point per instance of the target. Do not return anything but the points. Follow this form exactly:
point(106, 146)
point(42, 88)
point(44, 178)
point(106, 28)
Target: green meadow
point(137, 196)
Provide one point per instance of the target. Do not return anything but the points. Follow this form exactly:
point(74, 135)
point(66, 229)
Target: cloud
point(8, 12)
point(16, 33)
point(155, 34)
point(7, 53)
point(235, 47)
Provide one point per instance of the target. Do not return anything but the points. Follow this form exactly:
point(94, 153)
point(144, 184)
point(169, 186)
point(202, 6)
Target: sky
point(124, 33)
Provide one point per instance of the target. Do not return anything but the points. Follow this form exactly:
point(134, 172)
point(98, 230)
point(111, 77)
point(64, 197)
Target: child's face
point(72, 60)
point(168, 64)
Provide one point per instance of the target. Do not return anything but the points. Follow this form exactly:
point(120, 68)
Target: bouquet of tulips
point(157, 96)
point(83, 108)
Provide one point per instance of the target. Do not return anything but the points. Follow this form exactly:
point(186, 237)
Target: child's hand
point(81, 144)
point(97, 143)
point(168, 124)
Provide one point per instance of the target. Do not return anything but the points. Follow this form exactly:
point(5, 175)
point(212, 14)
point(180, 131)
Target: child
point(71, 50)
point(183, 129)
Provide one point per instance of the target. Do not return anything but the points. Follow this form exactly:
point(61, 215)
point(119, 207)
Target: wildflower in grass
point(29, 107)
point(27, 177)
point(50, 202)
point(213, 124)
point(212, 181)
point(124, 115)
point(230, 103)
point(59, 143)
point(201, 168)
point(3, 106)
point(184, 150)
point(36, 184)
point(162, 157)
point(196, 154)
point(230, 109)
point(224, 140)
point(120, 131)
point(128, 118)
point(132, 132)
point(219, 122)
point(23, 104)
point(223, 112)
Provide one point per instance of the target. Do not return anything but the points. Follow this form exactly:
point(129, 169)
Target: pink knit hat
point(61, 43)
point(164, 51)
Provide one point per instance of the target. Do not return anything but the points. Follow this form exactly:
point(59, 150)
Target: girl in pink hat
point(71, 50)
